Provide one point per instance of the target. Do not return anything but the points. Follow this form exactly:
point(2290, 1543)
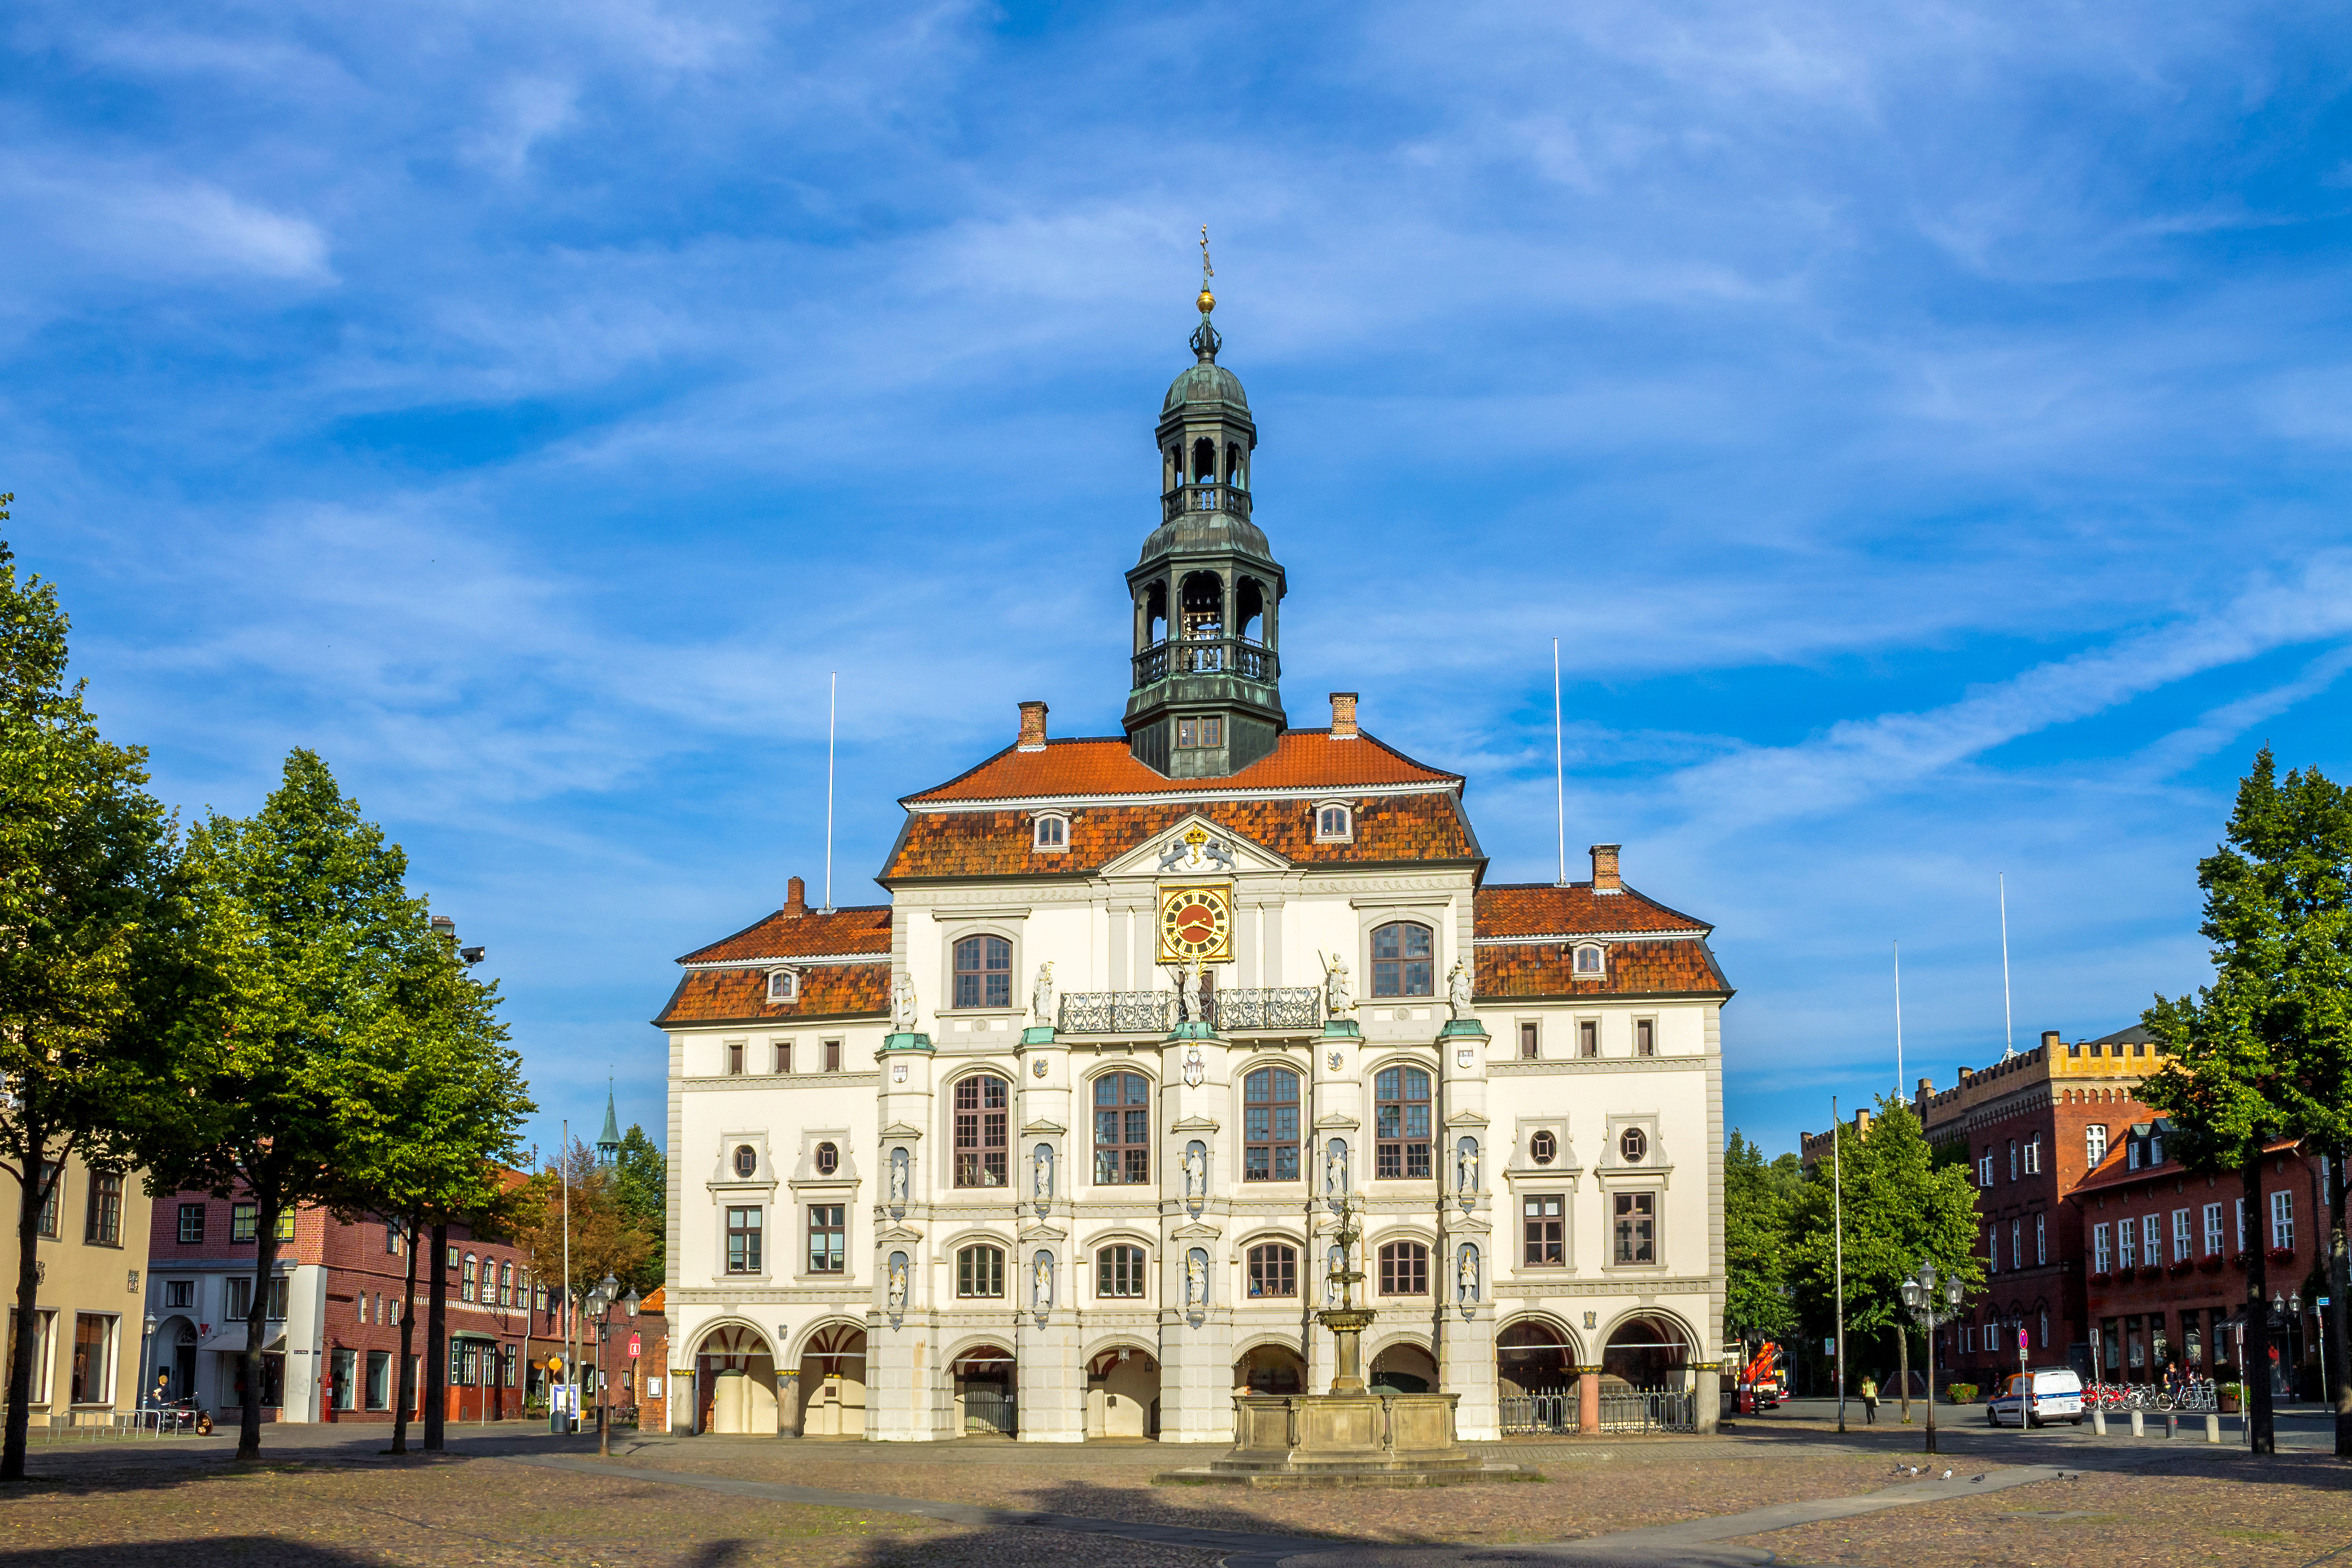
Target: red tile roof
point(1541, 909)
point(783, 934)
point(1389, 829)
point(741, 995)
point(1531, 970)
point(1301, 759)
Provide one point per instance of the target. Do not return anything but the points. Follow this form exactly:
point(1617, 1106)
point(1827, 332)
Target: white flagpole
point(1559, 767)
point(2008, 1021)
point(832, 716)
point(1898, 1018)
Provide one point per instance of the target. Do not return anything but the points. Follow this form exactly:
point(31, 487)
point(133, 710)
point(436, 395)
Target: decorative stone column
point(1709, 1394)
point(907, 1393)
point(788, 1399)
point(1196, 1337)
point(1588, 1400)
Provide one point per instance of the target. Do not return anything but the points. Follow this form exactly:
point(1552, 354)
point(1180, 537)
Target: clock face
point(1194, 923)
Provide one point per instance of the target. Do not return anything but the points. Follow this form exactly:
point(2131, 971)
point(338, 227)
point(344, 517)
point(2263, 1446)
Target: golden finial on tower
point(1207, 301)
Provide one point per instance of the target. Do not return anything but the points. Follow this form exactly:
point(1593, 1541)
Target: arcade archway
point(735, 1382)
point(1531, 1356)
point(1122, 1394)
point(1650, 1351)
point(833, 1383)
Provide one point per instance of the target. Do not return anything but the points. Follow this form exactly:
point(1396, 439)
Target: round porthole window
point(1543, 1148)
point(1635, 1145)
point(747, 1160)
point(828, 1159)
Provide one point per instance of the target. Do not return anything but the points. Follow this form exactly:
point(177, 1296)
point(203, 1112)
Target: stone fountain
point(1350, 1435)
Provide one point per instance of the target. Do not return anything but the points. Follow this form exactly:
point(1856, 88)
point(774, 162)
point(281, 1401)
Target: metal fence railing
point(987, 1410)
point(1551, 1411)
point(1649, 1410)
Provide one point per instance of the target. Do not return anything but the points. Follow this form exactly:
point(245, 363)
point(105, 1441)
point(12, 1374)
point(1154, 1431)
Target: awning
point(229, 1339)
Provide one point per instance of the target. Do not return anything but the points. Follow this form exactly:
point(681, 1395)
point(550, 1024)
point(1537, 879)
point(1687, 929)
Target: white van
point(2056, 1395)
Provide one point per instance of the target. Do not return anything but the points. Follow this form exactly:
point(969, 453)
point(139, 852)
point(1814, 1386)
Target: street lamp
point(1931, 1308)
point(145, 1340)
point(600, 1302)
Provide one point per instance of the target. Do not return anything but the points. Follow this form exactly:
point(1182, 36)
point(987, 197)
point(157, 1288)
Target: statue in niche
point(1458, 989)
point(1041, 1283)
point(1196, 1171)
point(1339, 991)
point(902, 1005)
point(1335, 1263)
point(1335, 1167)
point(898, 1281)
point(1041, 995)
point(1465, 1278)
point(1041, 1178)
point(899, 1165)
point(1196, 1280)
point(1466, 1167)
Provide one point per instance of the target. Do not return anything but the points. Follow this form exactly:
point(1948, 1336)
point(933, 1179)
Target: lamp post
point(629, 1315)
point(600, 1302)
point(146, 1343)
point(1931, 1308)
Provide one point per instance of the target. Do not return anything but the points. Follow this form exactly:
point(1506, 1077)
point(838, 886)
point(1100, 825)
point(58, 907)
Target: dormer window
point(1589, 964)
point(1334, 823)
point(1199, 733)
point(1052, 832)
point(783, 985)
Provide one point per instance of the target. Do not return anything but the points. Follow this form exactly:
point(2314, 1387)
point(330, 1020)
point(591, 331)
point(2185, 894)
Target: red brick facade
point(334, 1345)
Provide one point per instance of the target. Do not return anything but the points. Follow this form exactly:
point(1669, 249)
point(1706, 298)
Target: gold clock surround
point(1189, 909)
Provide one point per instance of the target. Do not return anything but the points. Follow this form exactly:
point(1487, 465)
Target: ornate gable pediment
point(1195, 847)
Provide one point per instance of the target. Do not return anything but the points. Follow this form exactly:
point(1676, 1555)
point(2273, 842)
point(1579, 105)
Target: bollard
point(2212, 1427)
point(2139, 1424)
point(2171, 1425)
point(2099, 1422)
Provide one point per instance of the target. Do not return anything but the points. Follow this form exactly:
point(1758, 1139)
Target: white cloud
point(132, 222)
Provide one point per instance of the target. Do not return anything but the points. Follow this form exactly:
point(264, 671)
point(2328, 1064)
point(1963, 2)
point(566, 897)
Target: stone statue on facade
point(1041, 995)
point(1041, 1283)
point(1196, 1281)
point(1196, 1172)
point(1466, 1167)
point(898, 1163)
point(902, 1005)
point(1335, 1263)
point(1335, 1167)
point(1188, 991)
point(1041, 1178)
point(1458, 989)
point(1339, 991)
point(1466, 1275)
point(898, 1281)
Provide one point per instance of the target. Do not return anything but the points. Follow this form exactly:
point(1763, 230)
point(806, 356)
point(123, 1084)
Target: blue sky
point(1924, 429)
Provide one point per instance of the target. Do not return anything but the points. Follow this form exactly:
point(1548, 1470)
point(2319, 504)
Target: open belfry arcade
point(1054, 1144)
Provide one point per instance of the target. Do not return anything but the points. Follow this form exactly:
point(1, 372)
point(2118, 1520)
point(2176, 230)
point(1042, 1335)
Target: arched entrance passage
point(1122, 1394)
point(1531, 1356)
point(1404, 1367)
point(173, 1377)
point(1648, 1352)
point(1271, 1369)
point(735, 1382)
point(833, 1383)
point(985, 1391)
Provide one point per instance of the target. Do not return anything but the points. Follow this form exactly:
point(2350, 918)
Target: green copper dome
point(1207, 382)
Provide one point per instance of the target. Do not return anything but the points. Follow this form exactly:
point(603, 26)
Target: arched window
point(1404, 1269)
point(1335, 825)
point(980, 1132)
point(983, 972)
point(783, 985)
point(466, 1289)
point(980, 1271)
point(1122, 1128)
point(1273, 1270)
point(506, 1284)
point(1270, 1125)
point(1590, 966)
point(1401, 1123)
point(828, 1159)
point(1205, 462)
point(1118, 1272)
point(1053, 831)
point(1403, 961)
point(747, 1160)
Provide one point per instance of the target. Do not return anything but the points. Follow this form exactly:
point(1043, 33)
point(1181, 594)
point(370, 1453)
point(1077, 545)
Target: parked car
point(2056, 1395)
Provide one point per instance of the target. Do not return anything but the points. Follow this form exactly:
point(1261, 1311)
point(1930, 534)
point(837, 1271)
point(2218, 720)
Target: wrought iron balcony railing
point(1206, 656)
point(1154, 1012)
point(1186, 498)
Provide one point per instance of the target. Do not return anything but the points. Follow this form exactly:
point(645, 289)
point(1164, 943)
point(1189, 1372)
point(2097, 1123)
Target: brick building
point(2032, 1127)
point(2165, 1252)
point(333, 1314)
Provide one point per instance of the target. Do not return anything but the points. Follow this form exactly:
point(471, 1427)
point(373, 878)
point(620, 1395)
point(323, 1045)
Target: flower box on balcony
point(2240, 1260)
point(2210, 1264)
point(2102, 1278)
point(2278, 1255)
point(2151, 1270)
point(2179, 1267)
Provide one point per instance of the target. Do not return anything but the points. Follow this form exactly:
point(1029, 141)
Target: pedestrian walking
point(1869, 1401)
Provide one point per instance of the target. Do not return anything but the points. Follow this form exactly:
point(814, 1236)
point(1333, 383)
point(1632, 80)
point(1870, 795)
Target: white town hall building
point(1052, 1142)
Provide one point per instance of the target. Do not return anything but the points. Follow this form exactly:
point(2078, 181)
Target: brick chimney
point(796, 898)
point(1604, 869)
point(1032, 726)
point(1343, 716)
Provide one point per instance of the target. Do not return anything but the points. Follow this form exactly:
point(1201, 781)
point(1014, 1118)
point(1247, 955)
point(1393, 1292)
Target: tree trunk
point(1903, 1370)
point(2261, 1437)
point(408, 1340)
point(31, 1193)
point(437, 1343)
point(256, 1315)
point(2333, 1320)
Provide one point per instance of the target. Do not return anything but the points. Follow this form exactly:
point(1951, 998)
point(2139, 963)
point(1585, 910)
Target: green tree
point(641, 1186)
point(582, 1231)
point(1759, 1205)
point(92, 910)
point(311, 930)
point(2262, 1054)
point(440, 1108)
point(1900, 1209)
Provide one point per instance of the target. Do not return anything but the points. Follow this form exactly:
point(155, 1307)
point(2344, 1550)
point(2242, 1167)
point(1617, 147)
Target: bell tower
point(1204, 698)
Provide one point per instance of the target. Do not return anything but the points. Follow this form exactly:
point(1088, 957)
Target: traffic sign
point(633, 1347)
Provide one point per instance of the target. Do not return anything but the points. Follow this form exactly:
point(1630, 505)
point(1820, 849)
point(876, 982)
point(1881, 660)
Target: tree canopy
point(1759, 1201)
point(1900, 1209)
